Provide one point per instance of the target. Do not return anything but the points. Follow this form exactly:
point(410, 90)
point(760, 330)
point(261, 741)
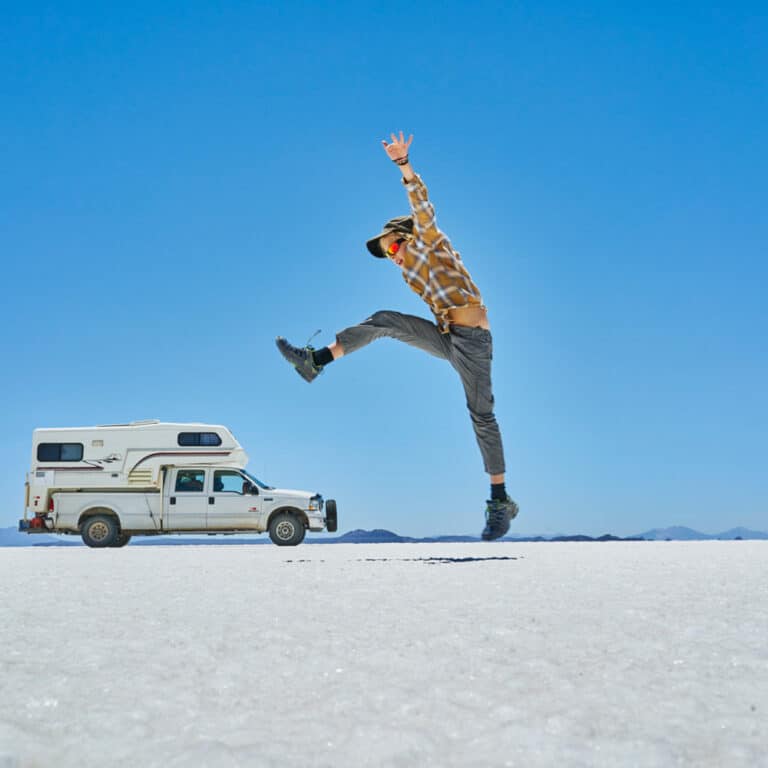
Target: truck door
point(187, 502)
point(232, 502)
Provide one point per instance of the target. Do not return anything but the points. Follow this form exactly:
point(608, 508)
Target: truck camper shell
point(124, 456)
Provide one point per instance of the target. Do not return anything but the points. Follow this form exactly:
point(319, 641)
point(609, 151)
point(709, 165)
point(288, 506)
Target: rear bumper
point(36, 525)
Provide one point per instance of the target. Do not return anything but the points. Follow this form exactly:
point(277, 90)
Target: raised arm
point(424, 224)
point(398, 154)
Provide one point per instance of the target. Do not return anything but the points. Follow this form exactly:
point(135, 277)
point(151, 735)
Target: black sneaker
point(300, 358)
point(497, 518)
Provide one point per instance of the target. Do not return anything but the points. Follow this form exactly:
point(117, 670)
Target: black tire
point(100, 531)
point(286, 530)
point(122, 539)
point(331, 516)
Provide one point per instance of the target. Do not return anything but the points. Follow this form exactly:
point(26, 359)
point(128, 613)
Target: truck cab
point(230, 499)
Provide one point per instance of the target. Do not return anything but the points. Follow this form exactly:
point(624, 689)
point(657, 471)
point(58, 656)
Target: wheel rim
point(98, 531)
point(285, 530)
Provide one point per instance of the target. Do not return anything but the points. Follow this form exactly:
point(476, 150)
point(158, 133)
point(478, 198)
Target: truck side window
point(227, 481)
point(190, 480)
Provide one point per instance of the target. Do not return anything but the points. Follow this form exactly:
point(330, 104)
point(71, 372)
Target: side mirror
point(253, 490)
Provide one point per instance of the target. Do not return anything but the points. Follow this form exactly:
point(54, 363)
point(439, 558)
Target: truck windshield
point(257, 481)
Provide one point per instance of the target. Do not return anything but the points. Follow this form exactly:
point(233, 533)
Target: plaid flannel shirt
point(431, 267)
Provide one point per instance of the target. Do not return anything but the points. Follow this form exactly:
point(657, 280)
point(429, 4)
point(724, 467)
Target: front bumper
point(316, 521)
point(326, 518)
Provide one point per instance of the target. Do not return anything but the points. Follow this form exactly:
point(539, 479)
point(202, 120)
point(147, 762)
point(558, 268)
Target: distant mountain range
point(379, 536)
point(681, 533)
point(10, 537)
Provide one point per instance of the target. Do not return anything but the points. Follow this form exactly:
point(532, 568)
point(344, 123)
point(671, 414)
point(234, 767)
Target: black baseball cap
point(402, 225)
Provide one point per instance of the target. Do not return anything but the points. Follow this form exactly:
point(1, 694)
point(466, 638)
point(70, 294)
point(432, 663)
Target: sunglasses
point(395, 247)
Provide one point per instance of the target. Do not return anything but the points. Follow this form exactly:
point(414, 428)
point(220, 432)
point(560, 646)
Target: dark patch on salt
point(433, 560)
point(428, 560)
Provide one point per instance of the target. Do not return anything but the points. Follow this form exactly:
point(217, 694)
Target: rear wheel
point(122, 540)
point(286, 530)
point(100, 531)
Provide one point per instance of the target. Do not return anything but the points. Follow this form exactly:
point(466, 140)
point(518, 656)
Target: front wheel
point(286, 530)
point(100, 531)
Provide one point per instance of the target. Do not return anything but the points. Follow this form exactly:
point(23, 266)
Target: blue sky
point(182, 182)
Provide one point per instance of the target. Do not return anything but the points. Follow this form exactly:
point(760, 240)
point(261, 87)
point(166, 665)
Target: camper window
point(199, 438)
point(60, 452)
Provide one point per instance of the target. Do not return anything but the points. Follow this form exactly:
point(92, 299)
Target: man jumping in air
point(460, 334)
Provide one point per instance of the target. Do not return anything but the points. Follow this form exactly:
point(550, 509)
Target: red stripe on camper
point(68, 469)
point(181, 453)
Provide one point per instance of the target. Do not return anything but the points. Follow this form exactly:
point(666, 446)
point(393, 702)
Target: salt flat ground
point(606, 654)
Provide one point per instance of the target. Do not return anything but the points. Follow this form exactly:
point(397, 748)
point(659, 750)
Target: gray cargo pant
point(468, 350)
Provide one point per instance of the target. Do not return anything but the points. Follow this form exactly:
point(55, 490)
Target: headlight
point(316, 503)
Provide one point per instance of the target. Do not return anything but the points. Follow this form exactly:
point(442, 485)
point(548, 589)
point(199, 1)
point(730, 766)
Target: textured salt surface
point(641, 654)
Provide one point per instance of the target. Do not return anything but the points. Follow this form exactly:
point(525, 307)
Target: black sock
point(322, 356)
point(498, 491)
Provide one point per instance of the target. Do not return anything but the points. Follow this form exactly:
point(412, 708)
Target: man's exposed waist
point(472, 317)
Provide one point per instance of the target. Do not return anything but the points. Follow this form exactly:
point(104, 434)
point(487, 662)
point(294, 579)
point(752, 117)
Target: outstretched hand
point(398, 149)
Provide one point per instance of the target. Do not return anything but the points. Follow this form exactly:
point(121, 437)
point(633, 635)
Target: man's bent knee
point(385, 318)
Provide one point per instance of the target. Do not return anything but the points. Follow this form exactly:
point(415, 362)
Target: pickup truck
point(145, 491)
